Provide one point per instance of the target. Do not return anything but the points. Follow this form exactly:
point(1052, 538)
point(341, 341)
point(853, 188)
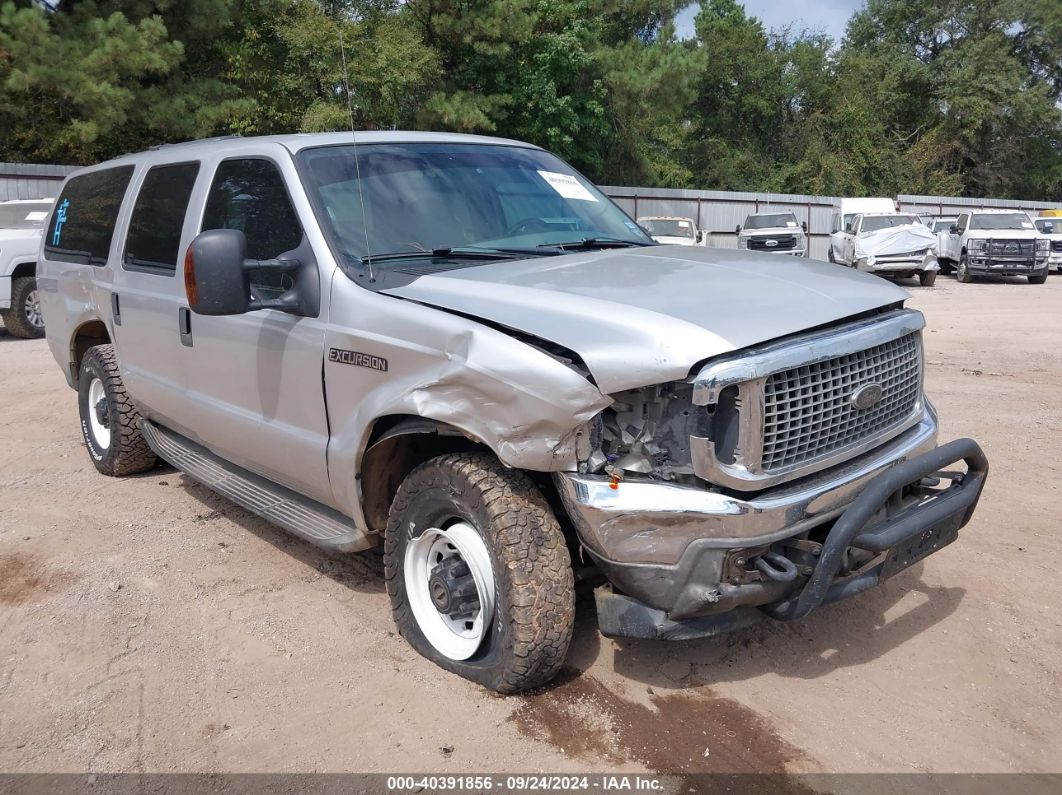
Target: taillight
point(190, 288)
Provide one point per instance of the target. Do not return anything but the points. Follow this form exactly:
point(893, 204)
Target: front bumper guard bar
point(622, 616)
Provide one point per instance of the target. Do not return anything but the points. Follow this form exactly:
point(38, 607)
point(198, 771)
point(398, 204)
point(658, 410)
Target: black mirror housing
point(954, 229)
point(215, 279)
point(804, 226)
point(737, 229)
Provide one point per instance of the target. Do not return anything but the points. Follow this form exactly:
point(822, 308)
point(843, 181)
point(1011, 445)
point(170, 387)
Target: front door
point(255, 380)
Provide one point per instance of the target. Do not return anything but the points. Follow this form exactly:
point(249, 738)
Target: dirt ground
point(147, 625)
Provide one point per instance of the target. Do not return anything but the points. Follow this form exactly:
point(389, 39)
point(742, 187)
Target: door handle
point(116, 311)
point(184, 325)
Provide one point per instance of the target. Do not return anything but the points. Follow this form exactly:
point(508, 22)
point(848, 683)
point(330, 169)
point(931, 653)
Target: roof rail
point(156, 147)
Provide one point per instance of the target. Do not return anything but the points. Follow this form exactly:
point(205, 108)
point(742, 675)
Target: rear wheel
point(927, 278)
point(478, 572)
point(962, 273)
point(109, 418)
point(24, 318)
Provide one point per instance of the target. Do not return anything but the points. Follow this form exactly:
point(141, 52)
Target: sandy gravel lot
point(148, 625)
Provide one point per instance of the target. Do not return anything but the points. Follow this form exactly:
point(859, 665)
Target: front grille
point(1013, 247)
point(1056, 245)
point(781, 243)
point(809, 413)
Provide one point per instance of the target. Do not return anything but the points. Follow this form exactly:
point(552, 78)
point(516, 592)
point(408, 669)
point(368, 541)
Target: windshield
point(667, 227)
point(24, 216)
point(875, 223)
point(770, 221)
point(1000, 221)
point(420, 198)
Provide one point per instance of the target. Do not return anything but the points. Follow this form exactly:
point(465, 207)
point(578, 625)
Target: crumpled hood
point(641, 316)
point(895, 240)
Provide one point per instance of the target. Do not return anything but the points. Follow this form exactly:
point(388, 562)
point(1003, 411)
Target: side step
point(283, 507)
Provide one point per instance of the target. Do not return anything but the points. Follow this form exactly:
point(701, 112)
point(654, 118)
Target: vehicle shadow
point(848, 633)
point(358, 571)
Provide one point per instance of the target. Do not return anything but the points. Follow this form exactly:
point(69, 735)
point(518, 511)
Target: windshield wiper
point(458, 252)
point(596, 242)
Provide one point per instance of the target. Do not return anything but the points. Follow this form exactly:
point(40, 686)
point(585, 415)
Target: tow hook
point(786, 570)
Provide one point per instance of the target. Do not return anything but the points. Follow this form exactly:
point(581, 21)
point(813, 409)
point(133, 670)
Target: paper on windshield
point(895, 240)
point(36, 216)
point(567, 186)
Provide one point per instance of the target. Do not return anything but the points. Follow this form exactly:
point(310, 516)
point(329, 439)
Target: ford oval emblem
point(866, 396)
point(771, 243)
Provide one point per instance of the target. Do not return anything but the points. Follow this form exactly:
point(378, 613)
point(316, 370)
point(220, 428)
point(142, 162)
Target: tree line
point(954, 97)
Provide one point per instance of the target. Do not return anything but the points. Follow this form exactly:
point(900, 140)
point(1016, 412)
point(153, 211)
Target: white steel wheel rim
point(101, 434)
point(457, 639)
point(33, 310)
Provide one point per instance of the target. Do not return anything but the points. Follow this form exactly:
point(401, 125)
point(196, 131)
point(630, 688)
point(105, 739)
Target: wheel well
point(397, 446)
point(24, 269)
point(88, 335)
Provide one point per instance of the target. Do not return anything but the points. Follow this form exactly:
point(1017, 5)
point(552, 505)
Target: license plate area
point(920, 546)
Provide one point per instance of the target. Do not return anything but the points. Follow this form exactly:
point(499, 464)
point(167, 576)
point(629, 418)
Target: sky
point(828, 16)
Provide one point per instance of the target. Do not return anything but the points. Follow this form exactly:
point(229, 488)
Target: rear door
point(255, 389)
point(148, 293)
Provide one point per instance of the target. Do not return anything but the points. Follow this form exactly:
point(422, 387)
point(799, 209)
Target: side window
point(835, 224)
point(82, 224)
point(961, 223)
point(154, 240)
point(249, 195)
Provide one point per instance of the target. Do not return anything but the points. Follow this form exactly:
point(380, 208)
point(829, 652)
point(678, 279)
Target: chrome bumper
point(653, 523)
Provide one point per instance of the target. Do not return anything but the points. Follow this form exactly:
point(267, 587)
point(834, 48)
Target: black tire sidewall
point(433, 507)
point(15, 318)
point(92, 369)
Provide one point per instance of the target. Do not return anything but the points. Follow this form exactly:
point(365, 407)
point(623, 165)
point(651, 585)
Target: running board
point(283, 507)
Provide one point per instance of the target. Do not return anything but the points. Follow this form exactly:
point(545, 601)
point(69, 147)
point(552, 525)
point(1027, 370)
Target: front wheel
point(927, 278)
point(830, 256)
point(962, 273)
point(24, 318)
point(478, 572)
point(1038, 278)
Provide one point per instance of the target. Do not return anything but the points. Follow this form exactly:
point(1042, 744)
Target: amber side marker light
point(189, 279)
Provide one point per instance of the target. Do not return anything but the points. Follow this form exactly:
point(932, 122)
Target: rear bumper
point(692, 599)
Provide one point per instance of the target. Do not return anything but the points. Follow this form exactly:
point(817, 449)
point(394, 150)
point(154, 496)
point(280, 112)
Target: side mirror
point(954, 229)
point(737, 229)
point(700, 236)
point(217, 277)
point(1049, 229)
point(804, 226)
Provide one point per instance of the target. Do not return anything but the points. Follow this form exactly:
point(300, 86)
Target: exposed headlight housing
point(977, 245)
point(1043, 245)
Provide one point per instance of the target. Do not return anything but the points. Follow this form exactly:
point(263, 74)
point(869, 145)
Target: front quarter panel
point(389, 356)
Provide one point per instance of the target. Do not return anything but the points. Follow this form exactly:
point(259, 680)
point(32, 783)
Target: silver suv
point(458, 348)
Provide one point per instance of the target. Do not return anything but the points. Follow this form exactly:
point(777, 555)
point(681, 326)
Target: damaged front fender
point(529, 406)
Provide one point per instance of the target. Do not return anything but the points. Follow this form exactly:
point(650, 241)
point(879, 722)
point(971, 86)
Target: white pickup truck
point(888, 244)
point(997, 243)
point(21, 226)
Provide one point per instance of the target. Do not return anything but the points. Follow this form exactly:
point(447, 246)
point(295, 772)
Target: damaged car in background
point(897, 245)
point(459, 349)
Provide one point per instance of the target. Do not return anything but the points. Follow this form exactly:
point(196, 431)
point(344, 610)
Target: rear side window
point(249, 195)
point(154, 240)
point(83, 222)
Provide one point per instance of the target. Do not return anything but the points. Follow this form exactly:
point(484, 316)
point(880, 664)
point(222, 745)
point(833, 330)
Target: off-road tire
point(962, 273)
point(534, 586)
point(830, 256)
point(1038, 278)
point(946, 267)
point(15, 318)
point(927, 278)
point(128, 452)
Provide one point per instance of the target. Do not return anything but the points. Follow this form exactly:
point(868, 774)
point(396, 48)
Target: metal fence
point(31, 181)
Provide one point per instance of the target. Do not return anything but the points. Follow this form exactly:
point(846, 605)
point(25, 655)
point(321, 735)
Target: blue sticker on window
point(60, 219)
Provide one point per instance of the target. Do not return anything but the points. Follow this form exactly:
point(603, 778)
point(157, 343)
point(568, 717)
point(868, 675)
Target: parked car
point(674, 231)
point(888, 244)
point(773, 233)
point(459, 348)
point(1051, 228)
point(995, 242)
point(21, 226)
point(847, 209)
